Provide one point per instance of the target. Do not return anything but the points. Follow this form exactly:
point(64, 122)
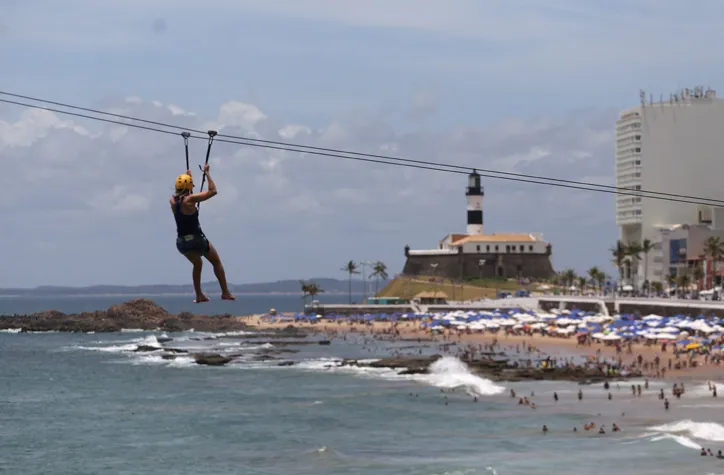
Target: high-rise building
point(673, 145)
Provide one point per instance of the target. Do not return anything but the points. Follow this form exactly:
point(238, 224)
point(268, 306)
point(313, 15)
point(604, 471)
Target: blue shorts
point(192, 244)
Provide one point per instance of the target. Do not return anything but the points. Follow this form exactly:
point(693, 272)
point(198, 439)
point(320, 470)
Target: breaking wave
point(445, 373)
point(709, 431)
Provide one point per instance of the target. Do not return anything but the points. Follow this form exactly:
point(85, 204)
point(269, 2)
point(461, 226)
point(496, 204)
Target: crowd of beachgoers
point(674, 351)
point(654, 345)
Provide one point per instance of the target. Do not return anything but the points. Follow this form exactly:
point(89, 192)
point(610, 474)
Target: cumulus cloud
point(87, 202)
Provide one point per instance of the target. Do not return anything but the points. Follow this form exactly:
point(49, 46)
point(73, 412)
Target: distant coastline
point(281, 287)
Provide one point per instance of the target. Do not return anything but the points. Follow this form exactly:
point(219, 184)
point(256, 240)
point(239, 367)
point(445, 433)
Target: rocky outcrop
point(143, 314)
point(496, 370)
point(212, 359)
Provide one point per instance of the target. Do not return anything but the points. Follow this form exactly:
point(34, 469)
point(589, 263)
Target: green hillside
point(406, 288)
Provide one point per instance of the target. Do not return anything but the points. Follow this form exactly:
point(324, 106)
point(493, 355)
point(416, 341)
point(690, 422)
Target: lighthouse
point(474, 194)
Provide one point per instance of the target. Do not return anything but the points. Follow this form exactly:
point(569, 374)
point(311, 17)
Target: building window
point(638, 149)
point(507, 248)
point(496, 248)
point(487, 248)
point(530, 248)
point(638, 137)
point(477, 248)
point(522, 248)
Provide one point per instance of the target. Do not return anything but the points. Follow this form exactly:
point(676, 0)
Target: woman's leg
point(213, 257)
point(198, 263)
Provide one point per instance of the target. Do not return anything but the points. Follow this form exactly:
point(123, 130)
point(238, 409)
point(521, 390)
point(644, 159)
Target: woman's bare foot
point(227, 297)
point(201, 299)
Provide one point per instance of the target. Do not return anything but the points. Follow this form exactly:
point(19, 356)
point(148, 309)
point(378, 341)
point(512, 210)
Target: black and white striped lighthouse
point(475, 194)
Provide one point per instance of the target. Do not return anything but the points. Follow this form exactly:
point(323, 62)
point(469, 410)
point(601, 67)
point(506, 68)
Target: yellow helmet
point(184, 182)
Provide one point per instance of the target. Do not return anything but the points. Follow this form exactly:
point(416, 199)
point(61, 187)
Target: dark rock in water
point(285, 363)
point(147, 348)
point(292, 329)
point(186, 316)
point(172, 325)
point(164, 339)
point(211, 359)
point(417, 365)
point(175, 350)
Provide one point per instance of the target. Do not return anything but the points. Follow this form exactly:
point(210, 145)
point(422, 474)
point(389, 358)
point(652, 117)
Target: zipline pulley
point(187, 136)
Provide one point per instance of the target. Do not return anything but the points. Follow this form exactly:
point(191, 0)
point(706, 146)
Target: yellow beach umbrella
point(693, 346)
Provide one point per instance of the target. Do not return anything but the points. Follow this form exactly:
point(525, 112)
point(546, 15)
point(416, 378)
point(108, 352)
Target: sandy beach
point(554, 346)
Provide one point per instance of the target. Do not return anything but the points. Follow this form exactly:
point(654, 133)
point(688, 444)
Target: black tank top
point(186, 223)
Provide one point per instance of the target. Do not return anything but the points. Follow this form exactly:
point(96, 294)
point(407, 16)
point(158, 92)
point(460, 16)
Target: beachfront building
point(478, 255)
point(680, 248)
point(673, 145)
point(430, 298)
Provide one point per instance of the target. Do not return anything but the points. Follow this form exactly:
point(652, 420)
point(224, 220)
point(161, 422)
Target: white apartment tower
point(674, 145)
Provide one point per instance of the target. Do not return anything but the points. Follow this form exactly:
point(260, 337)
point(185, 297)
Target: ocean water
point(86, 404)
point(245, 303)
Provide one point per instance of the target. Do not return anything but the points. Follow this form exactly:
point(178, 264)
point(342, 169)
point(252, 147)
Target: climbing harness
point(186, 136)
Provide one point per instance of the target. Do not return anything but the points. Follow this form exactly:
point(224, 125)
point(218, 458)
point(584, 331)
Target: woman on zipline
point(191, 241)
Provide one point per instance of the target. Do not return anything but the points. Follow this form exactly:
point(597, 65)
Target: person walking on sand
point(191, 240)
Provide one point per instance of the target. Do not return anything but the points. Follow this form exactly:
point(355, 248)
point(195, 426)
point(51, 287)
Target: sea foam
point(709, 431)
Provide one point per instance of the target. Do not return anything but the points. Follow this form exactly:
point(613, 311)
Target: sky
point(527, 86)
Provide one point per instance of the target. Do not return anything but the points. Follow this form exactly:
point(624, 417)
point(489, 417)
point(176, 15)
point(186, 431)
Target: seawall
point(465, 266)
point(640, 306)
point(606, 306)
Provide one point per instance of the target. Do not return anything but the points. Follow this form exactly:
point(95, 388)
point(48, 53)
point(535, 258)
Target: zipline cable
point(641, 193)
point(467, 170)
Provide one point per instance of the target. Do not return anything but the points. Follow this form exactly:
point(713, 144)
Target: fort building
point(478, 255)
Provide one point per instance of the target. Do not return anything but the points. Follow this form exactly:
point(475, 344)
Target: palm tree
point(671, 280)
point(619, 255)
point(593, 273)
point(309, 289)
point(657, 286)
point(305, 291)
point(570, 277)
point(682, 283)
point(697, 273)
point(714, 251)
point(314, 289)
point(380, 272)
point(601, 279)
point(582, 281)
point(634, 250)
point(350, 268)
point(646, 247)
